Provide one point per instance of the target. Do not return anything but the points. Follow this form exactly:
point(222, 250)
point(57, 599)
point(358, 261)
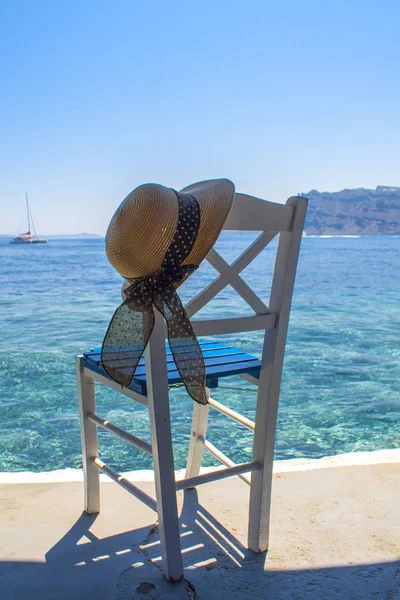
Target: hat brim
point(144, 225)
point(215, 198)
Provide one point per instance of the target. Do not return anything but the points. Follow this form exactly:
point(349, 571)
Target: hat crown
point(144, 225)
point(141, 230)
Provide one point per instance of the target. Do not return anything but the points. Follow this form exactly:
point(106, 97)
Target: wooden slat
point(234, 324)
point(215, 371)
point(249, 213)
point(205, 345)
point(210, 361)
point(217, 352)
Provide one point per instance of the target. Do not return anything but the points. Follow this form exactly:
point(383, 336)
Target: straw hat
point(145, 223)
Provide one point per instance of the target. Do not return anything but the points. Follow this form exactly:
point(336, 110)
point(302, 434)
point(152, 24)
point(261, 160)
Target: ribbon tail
point(125, 341)
point(183, 343)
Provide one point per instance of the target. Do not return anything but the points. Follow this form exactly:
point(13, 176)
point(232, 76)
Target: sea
point(340, 388)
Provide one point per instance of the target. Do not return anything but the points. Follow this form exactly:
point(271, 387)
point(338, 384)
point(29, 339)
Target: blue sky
point(99, 97)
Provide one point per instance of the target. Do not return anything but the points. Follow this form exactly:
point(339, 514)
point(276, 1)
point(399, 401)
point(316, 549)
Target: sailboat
point(30, 236)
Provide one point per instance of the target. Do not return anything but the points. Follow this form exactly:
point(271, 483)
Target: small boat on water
point(30, 236)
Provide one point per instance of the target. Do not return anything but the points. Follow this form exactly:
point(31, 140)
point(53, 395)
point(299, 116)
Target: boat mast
point(27, 210)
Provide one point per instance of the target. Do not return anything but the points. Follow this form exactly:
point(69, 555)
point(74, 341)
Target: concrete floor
point(335, 534)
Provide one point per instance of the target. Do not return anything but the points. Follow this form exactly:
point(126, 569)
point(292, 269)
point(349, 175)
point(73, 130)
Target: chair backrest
point(253, 214)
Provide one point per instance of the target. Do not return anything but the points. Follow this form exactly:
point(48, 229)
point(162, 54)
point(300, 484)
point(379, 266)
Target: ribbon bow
point(132, 324)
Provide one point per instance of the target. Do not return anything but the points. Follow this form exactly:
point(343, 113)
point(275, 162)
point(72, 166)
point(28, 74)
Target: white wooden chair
point(150, 385)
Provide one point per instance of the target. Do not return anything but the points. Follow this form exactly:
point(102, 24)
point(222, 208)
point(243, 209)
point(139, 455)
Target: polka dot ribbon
point(132, 324)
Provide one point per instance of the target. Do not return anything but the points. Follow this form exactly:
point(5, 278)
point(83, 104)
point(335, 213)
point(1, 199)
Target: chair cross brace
point(232, 278)
point(229, 275)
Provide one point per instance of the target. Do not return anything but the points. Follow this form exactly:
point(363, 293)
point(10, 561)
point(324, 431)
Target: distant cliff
point(354, 212)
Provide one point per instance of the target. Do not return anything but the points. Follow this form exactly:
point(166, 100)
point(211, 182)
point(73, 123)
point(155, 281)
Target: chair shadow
point(127, 566)
point(80, 566)
point(219, 566)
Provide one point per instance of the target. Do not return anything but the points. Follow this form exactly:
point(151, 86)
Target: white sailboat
point(30, 236)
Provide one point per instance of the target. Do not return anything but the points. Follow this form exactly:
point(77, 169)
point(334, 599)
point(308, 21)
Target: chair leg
point(263, 452)
point(87, 404)
point(198, 434)
point(164, 472)
point(259, 511)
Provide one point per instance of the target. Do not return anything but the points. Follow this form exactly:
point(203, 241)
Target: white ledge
point(280, 466)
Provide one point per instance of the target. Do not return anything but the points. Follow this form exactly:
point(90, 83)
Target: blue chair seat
point(220, 360)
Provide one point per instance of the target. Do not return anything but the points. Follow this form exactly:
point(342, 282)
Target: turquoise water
point(341, 381)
